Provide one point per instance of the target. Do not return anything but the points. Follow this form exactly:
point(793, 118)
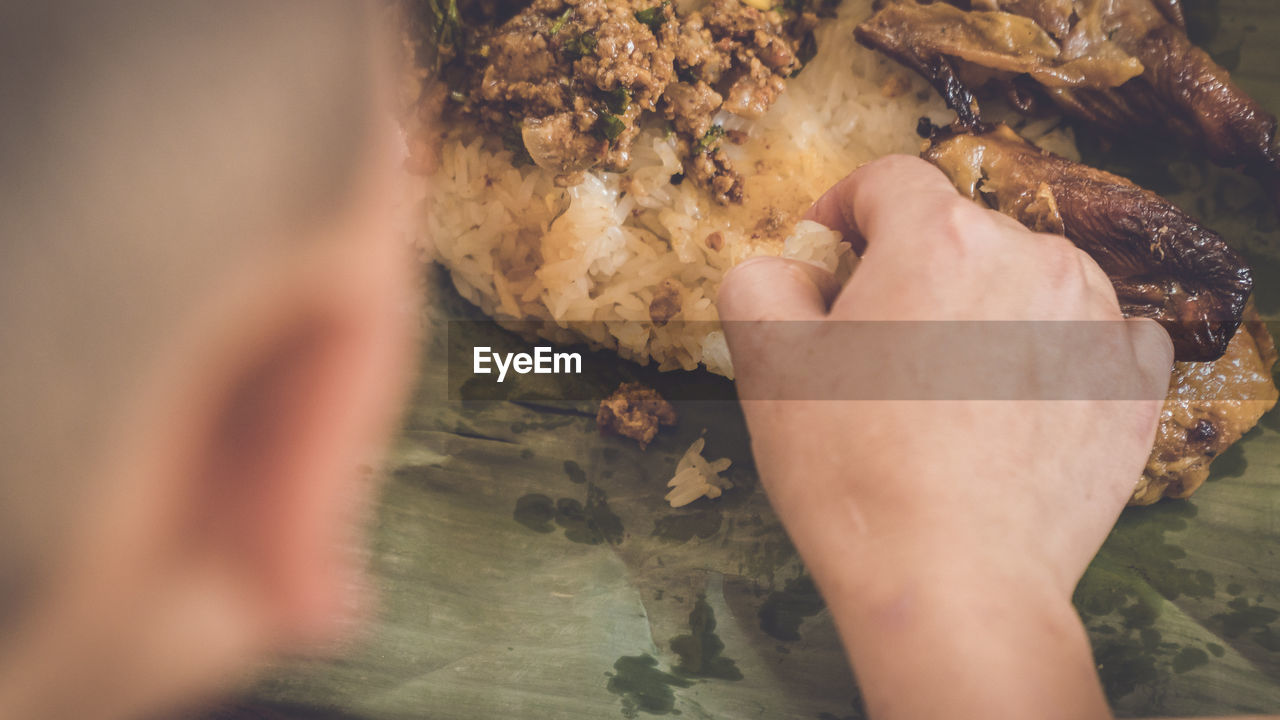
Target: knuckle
point(905, 174)
point(895, 164)
point(1089, 268)
point(962, 225)
point(1066, 266)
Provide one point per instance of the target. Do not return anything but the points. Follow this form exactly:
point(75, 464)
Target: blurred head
point(207, 318)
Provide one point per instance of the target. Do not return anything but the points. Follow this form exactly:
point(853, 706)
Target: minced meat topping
point(568, 83)
point(635, 411)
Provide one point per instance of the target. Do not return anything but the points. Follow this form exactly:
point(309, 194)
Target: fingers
point(1153, 351)
point(1095, 279)
point(773, 288)
point(890, 199)
point(766, 307)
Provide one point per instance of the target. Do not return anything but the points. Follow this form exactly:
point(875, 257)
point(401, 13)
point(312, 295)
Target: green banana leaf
point(528, 566)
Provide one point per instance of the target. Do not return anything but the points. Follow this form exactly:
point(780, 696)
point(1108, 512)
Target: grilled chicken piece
point(1163, 264)
point(1124, 65)
point(1210, 406)
point(1172, 10)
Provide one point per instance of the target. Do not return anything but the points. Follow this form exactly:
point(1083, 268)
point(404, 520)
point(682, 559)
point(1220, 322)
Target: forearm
point(943, 642)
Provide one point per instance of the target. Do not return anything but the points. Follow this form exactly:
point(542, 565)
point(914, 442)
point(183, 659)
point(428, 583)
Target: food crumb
point(894, 85)
point(666, 303)
point(696, 478)
point(635, 411)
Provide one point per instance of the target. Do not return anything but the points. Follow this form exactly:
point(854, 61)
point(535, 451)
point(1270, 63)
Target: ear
point(305, 385)
point(281, 479)
point(226, 523)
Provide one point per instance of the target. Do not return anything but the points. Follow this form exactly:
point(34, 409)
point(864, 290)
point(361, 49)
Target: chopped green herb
point(582, 46)
point(618, 101)
point(710, 140)
point(654, 16)
point(513, 140)
point(561, 22)
point(611, 126)
point(807, 50)
point(446, 16)
point(822, 8)
point(447, 31)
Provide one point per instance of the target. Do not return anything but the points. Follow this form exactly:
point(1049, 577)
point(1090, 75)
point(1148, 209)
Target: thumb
point(774, 288)
point(761, 299)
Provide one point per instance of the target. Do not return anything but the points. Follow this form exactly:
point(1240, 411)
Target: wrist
point(946, 640)
point(860, 552)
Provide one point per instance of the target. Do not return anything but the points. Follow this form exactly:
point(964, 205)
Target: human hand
point(999, 502)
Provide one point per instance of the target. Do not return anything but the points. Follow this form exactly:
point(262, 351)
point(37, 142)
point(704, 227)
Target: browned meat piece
point(666, 303)
point(1052, 15)
point(1163, 264)
point(636, 412)
point(947, 44)
point(691, 109)
point(775, 224)
point(568, 82)
point(755, 91)
point(691, 106)
point(521, 69)
point(570, 79)
point(696, 50)
point(1172, 11)
point(730, 57)
point(1210, 407)
point(713, 169)
point(1124, 65)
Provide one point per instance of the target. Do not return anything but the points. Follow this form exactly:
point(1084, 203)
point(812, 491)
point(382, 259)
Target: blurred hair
point(146, 148)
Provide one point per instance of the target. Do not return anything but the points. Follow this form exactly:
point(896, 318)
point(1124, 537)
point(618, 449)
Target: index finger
point(886, 199)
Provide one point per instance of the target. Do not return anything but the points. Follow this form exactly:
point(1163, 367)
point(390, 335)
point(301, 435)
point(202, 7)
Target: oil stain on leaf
point(783, 611)
point(643, 687)
point(535, 512)
point(1189, 659)
point(1140, 544)
point(1244, 616)
point(857, 705)
point(1230, 464)
point(1268, 639)
point(701, 650)
point(596, 524)
point(1124, 664)
point(589, 523)
point(575, 472)
point(685, 526)
point(1122, 594)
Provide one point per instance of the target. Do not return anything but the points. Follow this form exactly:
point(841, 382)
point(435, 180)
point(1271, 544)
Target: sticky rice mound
point(592, 262)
